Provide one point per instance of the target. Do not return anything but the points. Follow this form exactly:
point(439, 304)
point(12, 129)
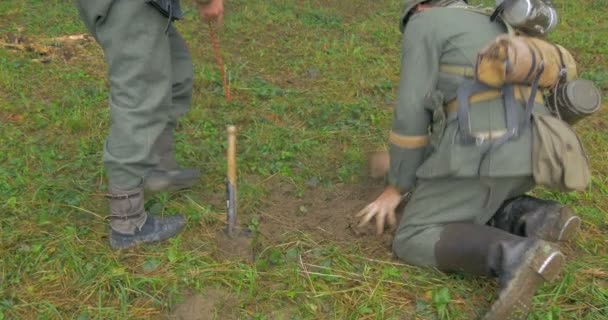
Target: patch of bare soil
point(235, 247)
point(322, 215)
point(209, 305)
point(45, 50)
point(283, 314)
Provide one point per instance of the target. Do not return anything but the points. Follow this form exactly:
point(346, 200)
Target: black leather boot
point(521, 264)
point(130, 224)
point(527, 216)
point(168, 175)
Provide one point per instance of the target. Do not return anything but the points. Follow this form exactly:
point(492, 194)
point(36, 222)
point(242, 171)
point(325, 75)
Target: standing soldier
point(150, 74)
point(468, 212)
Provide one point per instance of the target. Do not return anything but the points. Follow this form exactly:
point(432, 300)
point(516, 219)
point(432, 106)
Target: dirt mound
point(211, 304)
point(321, 214)
point(237, 247)
point(219, 304)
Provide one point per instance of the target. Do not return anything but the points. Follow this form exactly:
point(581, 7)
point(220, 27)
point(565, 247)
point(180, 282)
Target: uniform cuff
point(404, 164)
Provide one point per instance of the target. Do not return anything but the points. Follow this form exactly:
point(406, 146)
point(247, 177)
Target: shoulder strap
point(493, 13)
point(481, 10)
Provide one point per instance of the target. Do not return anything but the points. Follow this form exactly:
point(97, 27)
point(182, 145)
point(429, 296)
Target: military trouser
point(437, 203)
point(150, 74)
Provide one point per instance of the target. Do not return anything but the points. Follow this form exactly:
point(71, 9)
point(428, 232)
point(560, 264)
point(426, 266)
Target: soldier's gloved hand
point(211, 10)
point(383, 209)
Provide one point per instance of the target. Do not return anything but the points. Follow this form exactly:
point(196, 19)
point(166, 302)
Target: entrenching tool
point(234, 242)
point(231, 194)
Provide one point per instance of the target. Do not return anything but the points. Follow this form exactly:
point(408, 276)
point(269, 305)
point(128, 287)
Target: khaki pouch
point(559, 160)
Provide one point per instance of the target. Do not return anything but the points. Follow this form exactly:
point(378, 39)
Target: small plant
point(441, 301)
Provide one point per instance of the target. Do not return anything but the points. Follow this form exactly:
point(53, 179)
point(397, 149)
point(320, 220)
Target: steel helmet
point(409, 5)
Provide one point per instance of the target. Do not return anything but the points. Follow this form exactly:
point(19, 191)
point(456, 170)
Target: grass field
point(313, 85)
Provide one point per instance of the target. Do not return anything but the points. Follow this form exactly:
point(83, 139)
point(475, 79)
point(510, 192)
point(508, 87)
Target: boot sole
point(541, 263)
point(118, 246)
point(564, 228)
point(549, 268)
point(570, 227)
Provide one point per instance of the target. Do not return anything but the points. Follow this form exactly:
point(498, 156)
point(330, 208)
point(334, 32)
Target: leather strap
point(534, 60)
point(533, 92)
point(463, 93)
point(511, 115)
point(125, 217)
point(492, 94)
point(123, 196)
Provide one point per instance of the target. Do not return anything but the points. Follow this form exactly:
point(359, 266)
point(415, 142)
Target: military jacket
point(425, 138)
point(96, 10)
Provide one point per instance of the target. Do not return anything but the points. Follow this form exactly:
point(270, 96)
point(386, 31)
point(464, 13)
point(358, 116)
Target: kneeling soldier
point(467, 212)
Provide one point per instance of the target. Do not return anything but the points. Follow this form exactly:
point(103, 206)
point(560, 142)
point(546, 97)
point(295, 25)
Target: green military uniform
point(458, 186)
point(453, 183)
point(150, 73)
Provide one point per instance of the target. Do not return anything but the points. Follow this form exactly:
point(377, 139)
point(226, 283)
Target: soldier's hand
point(382, 209)
point(212, 10)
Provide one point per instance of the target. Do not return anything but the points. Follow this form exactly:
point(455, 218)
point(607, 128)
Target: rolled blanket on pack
point(515, 59)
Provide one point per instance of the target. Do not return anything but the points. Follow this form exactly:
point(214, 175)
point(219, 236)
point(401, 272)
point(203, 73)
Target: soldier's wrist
point(401, 190)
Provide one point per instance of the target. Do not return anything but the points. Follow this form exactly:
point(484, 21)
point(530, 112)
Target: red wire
point(216, 47)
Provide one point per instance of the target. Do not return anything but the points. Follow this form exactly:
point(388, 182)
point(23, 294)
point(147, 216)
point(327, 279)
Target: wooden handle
point(231, 191)
point(231, 155)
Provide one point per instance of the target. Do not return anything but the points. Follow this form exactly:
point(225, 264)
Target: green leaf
point(391, 272)
point(441, 296)
point(365, 309)
point(11, 202)
point(82, 316)
point(36, 247)
point(275, 257)
point(151, 264)
point(292, 254)
point(172, 255)
point(156, 208)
